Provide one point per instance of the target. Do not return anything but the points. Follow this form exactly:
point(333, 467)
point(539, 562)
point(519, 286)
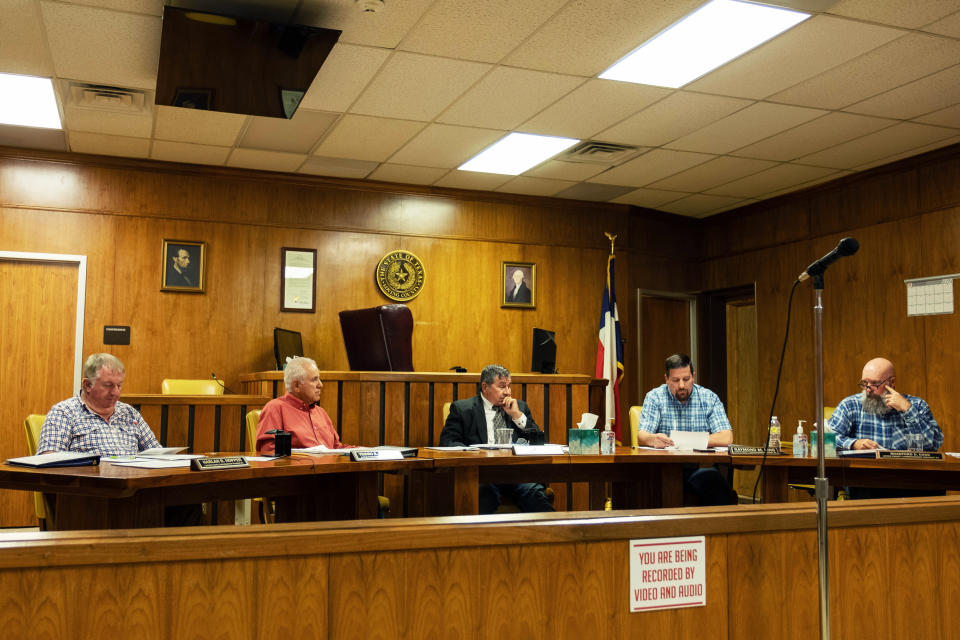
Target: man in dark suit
point(177, 270)
point(475, 420)
point(519, 292)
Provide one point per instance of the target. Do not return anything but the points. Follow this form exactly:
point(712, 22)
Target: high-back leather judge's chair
point(379, 338)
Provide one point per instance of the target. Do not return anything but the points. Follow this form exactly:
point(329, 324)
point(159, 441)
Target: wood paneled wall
point(117, 212)
point(906, 217)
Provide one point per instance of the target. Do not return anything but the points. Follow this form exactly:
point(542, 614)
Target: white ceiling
point(414, 90)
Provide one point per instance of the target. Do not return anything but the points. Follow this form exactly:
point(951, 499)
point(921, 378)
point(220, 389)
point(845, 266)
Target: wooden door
point(38, 307)
point(664, 330)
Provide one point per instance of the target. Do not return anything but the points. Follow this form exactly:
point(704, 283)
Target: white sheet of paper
point(538, 449)
point(161, 451)
point(154, 463)
point(689, 440)
point(323, 449)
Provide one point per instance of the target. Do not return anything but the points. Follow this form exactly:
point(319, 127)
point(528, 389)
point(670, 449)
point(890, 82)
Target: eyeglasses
point(863, 384)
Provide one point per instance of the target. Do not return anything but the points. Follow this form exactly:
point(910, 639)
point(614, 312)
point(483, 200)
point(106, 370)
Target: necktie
point(499, 419)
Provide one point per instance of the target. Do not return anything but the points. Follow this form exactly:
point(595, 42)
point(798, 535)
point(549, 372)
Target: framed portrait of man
point(184, 266)
point(519, 285)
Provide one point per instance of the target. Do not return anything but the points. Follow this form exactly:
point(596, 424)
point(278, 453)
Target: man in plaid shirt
point(880, 417)
point(94, 420)
point(682, 405)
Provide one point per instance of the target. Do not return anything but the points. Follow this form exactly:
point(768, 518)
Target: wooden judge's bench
point(406, 408)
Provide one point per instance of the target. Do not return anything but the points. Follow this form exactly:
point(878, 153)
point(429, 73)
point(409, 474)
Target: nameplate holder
point(914, 455)
point(212, 464)
point(743, 450)
point(378, 454)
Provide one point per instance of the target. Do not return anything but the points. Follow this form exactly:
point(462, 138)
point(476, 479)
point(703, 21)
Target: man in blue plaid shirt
point(880, 416)
point(94, 420)
point(682, 405)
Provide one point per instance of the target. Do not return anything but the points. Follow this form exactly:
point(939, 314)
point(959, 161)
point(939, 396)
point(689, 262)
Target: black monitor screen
point(286, 344)
point(544, 352)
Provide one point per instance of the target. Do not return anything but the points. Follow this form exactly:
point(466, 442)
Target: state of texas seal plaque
point(400, 275)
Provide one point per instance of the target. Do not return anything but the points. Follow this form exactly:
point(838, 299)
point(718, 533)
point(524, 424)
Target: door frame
point(673, 295)
point(59, 258)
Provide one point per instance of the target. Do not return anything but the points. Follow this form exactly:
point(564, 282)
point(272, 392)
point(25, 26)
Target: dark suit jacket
point(523, 294)
point(467, 425)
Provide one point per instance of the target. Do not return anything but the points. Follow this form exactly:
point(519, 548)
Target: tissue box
point(583, 441)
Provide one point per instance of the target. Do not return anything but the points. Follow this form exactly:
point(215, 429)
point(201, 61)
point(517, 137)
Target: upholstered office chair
point(40, 504)
point(635, 412)
point(176, 387)
point(262, 506)
point(379, 338)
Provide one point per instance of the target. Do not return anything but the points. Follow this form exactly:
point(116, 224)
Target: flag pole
point(612, 238)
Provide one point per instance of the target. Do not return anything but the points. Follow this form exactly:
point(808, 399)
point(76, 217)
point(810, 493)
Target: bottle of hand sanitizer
point(800, 442)
point(608, 441)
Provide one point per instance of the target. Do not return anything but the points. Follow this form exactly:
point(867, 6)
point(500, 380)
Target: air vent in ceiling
point(596, 152)
point(94, 96)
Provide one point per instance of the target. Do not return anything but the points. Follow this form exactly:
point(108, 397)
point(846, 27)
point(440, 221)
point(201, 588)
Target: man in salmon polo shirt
point(298, 411)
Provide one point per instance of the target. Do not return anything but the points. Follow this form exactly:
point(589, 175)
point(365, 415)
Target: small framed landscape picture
point(519, 285)
point(184, 266)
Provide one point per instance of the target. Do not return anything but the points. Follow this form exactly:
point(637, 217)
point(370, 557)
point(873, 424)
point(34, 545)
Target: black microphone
point(847, 247)
point(220, 382)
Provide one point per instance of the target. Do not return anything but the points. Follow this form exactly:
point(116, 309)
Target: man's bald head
point(878, 369)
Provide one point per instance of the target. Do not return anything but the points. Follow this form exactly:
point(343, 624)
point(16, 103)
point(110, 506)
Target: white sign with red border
point(667, 573)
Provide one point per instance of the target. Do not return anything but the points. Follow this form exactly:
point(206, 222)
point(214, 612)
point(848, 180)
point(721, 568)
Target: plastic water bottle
point(774, 442)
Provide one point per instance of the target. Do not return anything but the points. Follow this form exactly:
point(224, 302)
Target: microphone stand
point(820, 482)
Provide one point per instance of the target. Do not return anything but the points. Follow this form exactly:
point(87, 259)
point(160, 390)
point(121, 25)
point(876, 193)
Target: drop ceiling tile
point(593, 192)
point(585, 38)
point(886, 142)
point(650, 198)
point(932, 93)
point(673, 117)
point(911, 14)
point(266, 160)
point(200, 127)
point(712, 173)
point(338, 167)
point(407, 174)
point(367, 138)
point(483, 31)
point(949, 117)
point(699, 205)
point(296, 135)
point(560, 170)
point(443, 145)
point(385, 28)
point(592, 107)
point(104, 145)
point(912, 152)
point(831, 129)
point(136, 125)
point(949, 26)
point(535, 186)
point(808, 49)
point(887, 67)
point(102, 46)
point(416, 87)
point(343, 76)
point(33, 138)
point(189, 153)
point(806, 185)
point(21, 31)
point(780, 177)
point(650, 167)
point(506, 97)
point(748, 125)
point(472, 180)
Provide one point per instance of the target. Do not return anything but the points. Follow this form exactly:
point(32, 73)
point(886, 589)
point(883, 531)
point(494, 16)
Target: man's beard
point(875, 405)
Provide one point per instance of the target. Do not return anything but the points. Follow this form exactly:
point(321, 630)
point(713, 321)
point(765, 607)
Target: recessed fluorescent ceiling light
point(517, 152)
point(711, 36)
point(28, 101)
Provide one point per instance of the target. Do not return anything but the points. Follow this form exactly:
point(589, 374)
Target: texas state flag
point(610, 349)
